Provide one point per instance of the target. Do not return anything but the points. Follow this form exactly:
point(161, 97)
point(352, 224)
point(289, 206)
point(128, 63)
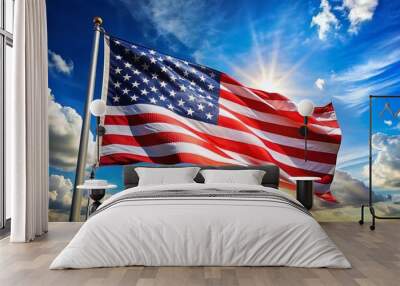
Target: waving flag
point(166, 110)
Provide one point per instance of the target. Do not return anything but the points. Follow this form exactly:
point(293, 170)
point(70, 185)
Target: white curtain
point(26, 124)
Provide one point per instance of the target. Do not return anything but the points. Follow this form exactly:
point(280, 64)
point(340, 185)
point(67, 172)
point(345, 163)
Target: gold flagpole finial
point(97, 21)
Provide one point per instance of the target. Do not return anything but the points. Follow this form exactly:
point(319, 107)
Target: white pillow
point(166, 176)
point(245, 177)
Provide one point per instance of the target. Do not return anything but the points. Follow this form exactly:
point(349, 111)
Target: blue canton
point(142, 76)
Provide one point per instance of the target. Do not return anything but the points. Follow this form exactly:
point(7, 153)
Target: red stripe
point(239, 147)
point(292, 116)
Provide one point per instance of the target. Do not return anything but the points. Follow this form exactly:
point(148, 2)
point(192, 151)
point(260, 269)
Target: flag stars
point(200, 107)
point(153, 89)
point(172, 93)
point(153, 60)
point(210, 86)
point(160, 59)
point(181, 102)
point(194, 71)
point(145, 80)
point(143, 54)
point(190, 112)
point(144, 91)
point(191, 97)
point(153, 100)
point(118, 57)
point(135, 84)
point(173, 77)
point(118, 70)
point(125, 91)
point(210, 104)
point(127, 77)
point(154, 76)
point(164, 69)
point(136, 72)
point(127, 65)
point(163, 84)
point(116, 98)
point(117, 42)
point(134, 97)
point(152, 52)
point(162, 98)
point(145, 67)
point(209, 116)
point(182, 88)
point(170, 106)
point(117, 84)
point(212, 74)
point(186, 73)
point(202, 78)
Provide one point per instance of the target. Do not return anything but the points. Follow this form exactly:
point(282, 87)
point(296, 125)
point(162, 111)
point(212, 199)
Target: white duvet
point(200, 231)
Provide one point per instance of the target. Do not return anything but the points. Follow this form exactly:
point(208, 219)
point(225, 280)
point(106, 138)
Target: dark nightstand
point(305, 190)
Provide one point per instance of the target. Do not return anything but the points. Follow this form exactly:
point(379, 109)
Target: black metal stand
point(96, 195)
point(370, 200)
point(304, 193)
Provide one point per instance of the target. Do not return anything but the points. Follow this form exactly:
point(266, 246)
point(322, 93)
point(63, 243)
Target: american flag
point(162, 109)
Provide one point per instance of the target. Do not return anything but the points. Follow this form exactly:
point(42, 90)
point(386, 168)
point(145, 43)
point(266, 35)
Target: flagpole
point(75, 213)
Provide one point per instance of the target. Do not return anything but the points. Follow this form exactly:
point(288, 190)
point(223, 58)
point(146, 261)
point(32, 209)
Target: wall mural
point(299, 49)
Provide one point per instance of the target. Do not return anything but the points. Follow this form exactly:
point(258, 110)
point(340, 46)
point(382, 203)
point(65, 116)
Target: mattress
point(201, 225)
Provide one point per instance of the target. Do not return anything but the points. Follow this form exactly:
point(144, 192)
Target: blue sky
point(334, 50)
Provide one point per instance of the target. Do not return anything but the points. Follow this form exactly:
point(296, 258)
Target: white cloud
point(60, 192)
point(64, 135)
point(183, 19)
point(325, 20)
point(320, 83)
point(388, 122)
point(359, 11)
point(386, 166)
point(59, 64)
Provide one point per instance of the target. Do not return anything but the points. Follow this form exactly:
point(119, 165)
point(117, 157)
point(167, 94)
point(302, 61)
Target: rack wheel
point(372, 227)
point(361, 222)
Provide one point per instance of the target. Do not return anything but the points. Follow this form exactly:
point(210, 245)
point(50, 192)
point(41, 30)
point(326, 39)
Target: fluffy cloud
point(187, 26)
point(359, 11)
point(348, 190)
point(388, 122)
point(60, 192)
point(59, 64)
point(320, 83)
point(386, 166)
point(325, 20)
point(64, 135)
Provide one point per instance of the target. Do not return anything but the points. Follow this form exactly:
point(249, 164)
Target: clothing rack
point(370, 200)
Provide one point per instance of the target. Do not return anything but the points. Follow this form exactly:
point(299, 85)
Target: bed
point(201, 224)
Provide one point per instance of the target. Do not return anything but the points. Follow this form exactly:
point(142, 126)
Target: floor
point(375, 257)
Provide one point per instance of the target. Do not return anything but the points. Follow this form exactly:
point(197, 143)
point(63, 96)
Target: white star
point(186, 73)
point(144, 91)
point(128, 65)
point(116, 98)
point(210, 87)
point(145, 66)
point(172, 93)
point(186, 63)
point(173, 77)
point(193, 70)
point(209, 97)
point(117, 42)
point(170, 106)
point(127, 77)
point(153, 60)
point(133, 46)
point(192, 83)
point(162, 98)
point(118, 70)
point(134, 97)
point(163, 84)
point(181, 102)
point(154, 89)
point(202, 78)
point(142, 53)
point(208, 115)
point(125, 91)
point(191, 97)
point(177, 64)
point(136, 72)
point(200, 89)
point(160, 59)
point(154, 76)
point(152, 52)
point(169, 58)
point(117, 84)
point(118, 57)
point(153, 100)
point(164, 69)
point(135, 84)
point(200, 107)
point(212, 74)
point(182, 87)
point(210, 104)
point(145, 80)
point(190, 112)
